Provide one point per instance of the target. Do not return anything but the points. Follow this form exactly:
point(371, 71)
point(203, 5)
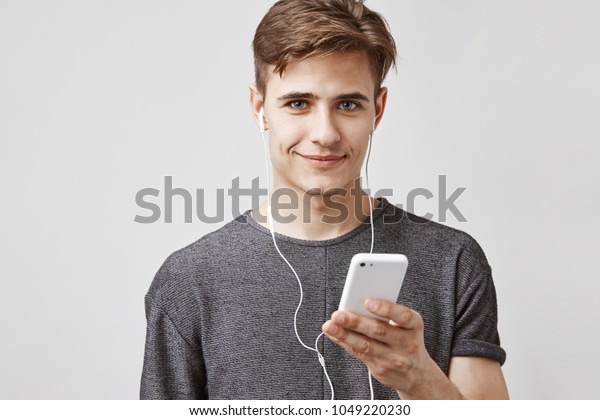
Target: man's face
point(319, 116)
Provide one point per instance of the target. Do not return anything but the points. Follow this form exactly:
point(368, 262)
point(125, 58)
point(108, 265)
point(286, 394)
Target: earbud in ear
point(261, 120)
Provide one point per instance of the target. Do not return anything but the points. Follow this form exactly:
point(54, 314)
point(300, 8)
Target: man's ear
point(256, 104)
point(380, 102)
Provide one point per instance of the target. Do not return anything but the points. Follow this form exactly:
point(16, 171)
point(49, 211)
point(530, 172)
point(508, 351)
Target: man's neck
point(316, 217)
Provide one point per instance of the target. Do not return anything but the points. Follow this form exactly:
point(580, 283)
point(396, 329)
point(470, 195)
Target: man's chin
point(328, 191)
point(326, 188)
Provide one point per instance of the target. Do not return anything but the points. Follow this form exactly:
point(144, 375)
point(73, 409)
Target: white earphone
point(272, 229)
point(261, 118)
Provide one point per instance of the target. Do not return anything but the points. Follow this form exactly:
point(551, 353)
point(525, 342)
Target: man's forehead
point(339, 73)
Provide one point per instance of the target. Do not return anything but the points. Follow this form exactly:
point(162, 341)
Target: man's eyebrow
point(356, 96)
point(297, 95)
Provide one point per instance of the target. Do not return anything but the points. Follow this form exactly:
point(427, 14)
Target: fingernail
point(372, 304)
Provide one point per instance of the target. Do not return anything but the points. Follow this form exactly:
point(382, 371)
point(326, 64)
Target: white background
point(99, 99)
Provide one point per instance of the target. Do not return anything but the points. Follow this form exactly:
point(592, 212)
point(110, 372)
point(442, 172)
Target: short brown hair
point(298, 29)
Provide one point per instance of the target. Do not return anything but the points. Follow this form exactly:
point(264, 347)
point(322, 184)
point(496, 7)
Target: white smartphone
point(372, 276)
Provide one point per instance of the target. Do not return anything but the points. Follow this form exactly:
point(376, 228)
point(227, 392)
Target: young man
point(223, 317)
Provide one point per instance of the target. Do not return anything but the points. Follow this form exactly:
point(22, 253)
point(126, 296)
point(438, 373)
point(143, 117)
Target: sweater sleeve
point(476, 316)
point(173, 368)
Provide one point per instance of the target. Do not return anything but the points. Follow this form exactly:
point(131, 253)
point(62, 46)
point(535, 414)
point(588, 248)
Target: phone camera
point(362, 264)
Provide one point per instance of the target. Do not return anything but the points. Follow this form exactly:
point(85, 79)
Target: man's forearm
point(435, 386)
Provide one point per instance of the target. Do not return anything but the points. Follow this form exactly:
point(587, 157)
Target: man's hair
point(298, 29)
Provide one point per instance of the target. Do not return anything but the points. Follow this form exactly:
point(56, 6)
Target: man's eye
point(297, 104)
point(348, 106)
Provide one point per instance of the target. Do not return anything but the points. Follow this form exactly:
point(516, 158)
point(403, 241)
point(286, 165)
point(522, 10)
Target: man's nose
point(324, 129)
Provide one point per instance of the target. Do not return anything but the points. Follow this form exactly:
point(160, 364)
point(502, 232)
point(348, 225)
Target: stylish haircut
point(298, 29)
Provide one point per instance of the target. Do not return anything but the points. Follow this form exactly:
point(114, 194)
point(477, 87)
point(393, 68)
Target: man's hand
point(394, 352)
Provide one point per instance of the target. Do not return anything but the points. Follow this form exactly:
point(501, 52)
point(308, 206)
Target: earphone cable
point(372, 229)
point(369, 191)
point(272, 229)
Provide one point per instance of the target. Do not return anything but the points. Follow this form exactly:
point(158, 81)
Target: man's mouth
point(323, 158)
point(323, 161)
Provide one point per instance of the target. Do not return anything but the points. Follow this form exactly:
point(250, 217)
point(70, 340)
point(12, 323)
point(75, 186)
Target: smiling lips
point(325, 161)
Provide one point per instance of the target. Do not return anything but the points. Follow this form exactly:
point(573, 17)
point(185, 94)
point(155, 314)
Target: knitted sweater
point(220, 311)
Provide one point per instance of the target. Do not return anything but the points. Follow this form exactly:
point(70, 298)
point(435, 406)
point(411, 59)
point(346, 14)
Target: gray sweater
point(220, 311)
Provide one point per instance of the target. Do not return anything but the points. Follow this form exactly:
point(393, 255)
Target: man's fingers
point(359, 345)
point(400, 315)
point(366, 326)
